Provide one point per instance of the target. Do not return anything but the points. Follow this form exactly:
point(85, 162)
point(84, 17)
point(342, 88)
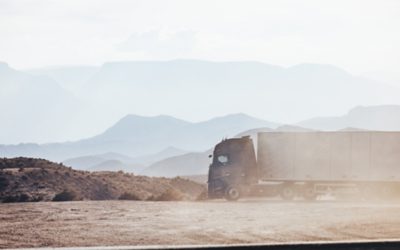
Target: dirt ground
point(111, 223)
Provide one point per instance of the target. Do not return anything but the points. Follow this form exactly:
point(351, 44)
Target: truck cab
point(233, 168)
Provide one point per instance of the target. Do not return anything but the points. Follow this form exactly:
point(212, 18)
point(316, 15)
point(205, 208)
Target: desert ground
point(113, 223)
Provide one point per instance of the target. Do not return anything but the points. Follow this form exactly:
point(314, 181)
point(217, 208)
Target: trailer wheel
point(287, 192)
point(309, 193)
point(232, 194)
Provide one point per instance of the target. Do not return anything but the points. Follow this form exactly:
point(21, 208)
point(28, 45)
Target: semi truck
point(364, 164)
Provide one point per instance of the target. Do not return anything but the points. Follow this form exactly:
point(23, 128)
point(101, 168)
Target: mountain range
point(70, 103)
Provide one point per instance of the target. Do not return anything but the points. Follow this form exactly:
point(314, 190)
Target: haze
point(358, 36)
point(294, 61)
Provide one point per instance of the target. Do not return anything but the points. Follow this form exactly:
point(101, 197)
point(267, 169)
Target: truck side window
point(223, 159)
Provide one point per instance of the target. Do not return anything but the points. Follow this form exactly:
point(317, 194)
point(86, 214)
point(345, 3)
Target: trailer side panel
point(329, 156)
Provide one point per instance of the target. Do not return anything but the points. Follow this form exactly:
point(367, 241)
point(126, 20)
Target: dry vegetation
point(26, 179)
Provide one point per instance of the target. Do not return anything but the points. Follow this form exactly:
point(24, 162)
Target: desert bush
point(37, 198)
point(3, 183)
point(65, 195)
point(129, 196)
point(16, 198)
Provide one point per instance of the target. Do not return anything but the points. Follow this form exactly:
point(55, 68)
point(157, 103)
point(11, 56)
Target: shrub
point(37, 198)
point(129, 196)
point(66, 195)
point(3, 183)
point(16, 198)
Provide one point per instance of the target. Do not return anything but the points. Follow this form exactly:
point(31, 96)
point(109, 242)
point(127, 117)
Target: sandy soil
point(101, 223)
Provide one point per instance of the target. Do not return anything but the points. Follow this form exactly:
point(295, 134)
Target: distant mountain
point(89, 161)
point(83, 162)
point(115, 165)
point(112, 161)
point(136, 136)
point(183, 165)
point(384, 117)
point(72, 78)
point(166, 153)
point(118, 157)
point(281, 94)
point(34, 108)
point(140, 129)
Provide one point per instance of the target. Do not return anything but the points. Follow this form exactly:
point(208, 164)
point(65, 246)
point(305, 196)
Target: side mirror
point(209, 156)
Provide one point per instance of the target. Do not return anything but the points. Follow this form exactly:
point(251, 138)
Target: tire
point(232, 194)
point(287, 192)
point(309, 193)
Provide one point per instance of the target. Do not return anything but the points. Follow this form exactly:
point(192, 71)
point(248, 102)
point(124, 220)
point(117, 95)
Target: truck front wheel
point(232, 194)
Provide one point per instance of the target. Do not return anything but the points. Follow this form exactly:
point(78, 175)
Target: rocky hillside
point(27, 179)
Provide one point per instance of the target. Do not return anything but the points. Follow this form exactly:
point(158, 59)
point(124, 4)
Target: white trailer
point(329, 156)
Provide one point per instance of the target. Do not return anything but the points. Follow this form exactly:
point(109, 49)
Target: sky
point(358, 36)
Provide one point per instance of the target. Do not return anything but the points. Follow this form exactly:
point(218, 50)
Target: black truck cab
point(233, 168)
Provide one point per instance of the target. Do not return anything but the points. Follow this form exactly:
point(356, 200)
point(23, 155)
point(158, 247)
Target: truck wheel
point(309, 193)
point(287, 192)
point(232, 194)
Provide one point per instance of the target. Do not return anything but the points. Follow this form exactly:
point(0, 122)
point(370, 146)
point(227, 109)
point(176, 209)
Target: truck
point(292, 165)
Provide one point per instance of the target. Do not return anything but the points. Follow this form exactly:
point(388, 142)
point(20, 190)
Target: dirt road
point(101, 223)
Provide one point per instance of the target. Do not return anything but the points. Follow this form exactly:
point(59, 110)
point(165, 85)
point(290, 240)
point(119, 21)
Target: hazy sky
point(358, 36)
